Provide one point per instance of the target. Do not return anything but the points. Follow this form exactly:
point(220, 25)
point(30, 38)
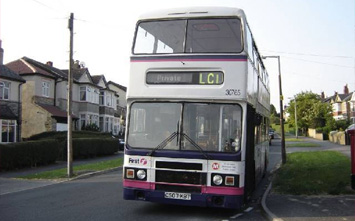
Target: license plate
point(178, 196)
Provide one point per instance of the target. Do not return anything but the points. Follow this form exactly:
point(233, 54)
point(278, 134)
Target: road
point(100, 198)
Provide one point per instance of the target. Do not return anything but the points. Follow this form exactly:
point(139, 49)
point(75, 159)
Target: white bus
point(198, 109)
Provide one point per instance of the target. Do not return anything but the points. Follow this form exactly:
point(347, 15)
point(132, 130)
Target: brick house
point(343, 104)
point(10, 103)
point(45, 98)
point(121, 104)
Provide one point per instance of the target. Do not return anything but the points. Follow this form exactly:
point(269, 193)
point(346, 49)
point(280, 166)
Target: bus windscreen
point(222, 35)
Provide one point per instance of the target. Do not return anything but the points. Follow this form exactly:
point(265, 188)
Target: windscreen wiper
point(163, 143)
point(197, 146)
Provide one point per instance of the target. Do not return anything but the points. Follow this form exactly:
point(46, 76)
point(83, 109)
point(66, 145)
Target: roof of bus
point(193, 12)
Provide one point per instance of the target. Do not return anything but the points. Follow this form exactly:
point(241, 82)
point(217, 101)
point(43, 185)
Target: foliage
point(48, 147)
point(28, 154)
point(92, 147)
point(341, 125)
point(274, 116)
point(312, 173)
point(91, 127)
point(62, 135)
point(311, 112)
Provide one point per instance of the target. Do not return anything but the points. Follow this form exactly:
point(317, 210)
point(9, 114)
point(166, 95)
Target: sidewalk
point(9, 182)
point(289, 207)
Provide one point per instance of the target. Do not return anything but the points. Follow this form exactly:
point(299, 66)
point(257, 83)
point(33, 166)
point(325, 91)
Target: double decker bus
point(198, 109)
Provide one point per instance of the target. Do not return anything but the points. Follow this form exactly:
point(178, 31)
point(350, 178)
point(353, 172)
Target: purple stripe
point(202, 58)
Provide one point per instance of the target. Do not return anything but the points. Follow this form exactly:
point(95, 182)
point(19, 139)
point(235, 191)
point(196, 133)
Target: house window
point(82, 121)
point(4, 90)
point(117, 104)
point(83, 93)
point(96, 96)
point(106, 124)
point(108, 100)
point(352, 105)
point(89, 94)
point(102, 98)
point(101, 124)
point(8, 131)
point(45, 88)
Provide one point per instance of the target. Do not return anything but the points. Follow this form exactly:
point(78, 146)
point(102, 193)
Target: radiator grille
point(180, 177)
point(178, 165)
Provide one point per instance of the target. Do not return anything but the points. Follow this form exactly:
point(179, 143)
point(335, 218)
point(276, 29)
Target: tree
point(311, 112)
point(274, 116)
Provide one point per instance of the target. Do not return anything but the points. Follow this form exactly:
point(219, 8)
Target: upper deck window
point(189, 36)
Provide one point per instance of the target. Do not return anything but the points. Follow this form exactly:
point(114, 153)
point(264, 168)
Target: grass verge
point(302, 144)
point(62, 173)
point(293, 140)
point(314, 173)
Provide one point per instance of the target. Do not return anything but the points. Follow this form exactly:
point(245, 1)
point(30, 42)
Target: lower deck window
point(185, 126)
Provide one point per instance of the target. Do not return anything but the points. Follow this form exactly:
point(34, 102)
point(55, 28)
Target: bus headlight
point(217, 180)
point(141, 174)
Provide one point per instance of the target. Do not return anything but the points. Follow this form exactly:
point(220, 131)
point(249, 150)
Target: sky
point(315, 39)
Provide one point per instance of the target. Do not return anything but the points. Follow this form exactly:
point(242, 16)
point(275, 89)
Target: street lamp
point(295, 116)
point(283, 149)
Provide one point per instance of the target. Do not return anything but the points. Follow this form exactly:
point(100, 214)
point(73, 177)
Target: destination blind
point(196, 78)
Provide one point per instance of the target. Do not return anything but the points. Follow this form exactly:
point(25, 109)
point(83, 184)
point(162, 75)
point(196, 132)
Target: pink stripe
point(179, 60)
point(204, 189)
point(137, 184)
point(179, 184)
point(223, 190)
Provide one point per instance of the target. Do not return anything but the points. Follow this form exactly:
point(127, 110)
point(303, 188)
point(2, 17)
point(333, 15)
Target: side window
point(255, 56)
point(250, 44)
point(144, 42)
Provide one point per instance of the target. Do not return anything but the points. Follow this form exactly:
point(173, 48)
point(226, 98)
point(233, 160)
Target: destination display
point(197, 78)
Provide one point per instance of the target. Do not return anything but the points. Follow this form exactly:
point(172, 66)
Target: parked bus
point(198, 109)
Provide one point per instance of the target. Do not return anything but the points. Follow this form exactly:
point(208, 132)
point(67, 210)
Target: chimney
point(346, 89)
point(322, 95)
point(76, 65)
point(50, 63)
point(1, 55)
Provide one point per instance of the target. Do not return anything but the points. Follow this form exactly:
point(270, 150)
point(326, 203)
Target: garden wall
point(313, 133)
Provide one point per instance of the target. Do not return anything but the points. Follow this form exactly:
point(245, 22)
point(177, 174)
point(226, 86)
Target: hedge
point(91, 147)
point(43, 152)
point(62, 135)
point(28, 154)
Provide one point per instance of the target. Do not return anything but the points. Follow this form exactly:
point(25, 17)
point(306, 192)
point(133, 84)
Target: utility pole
point(69, 105)
point(283, 145)
point(296, 118)
point(283, 148)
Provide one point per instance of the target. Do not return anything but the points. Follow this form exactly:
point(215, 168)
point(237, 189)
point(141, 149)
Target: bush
point(28, 154)
point(62, 135)
point(341, 125)
point(42, 150)
point(91, 147)
point(91, 127)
